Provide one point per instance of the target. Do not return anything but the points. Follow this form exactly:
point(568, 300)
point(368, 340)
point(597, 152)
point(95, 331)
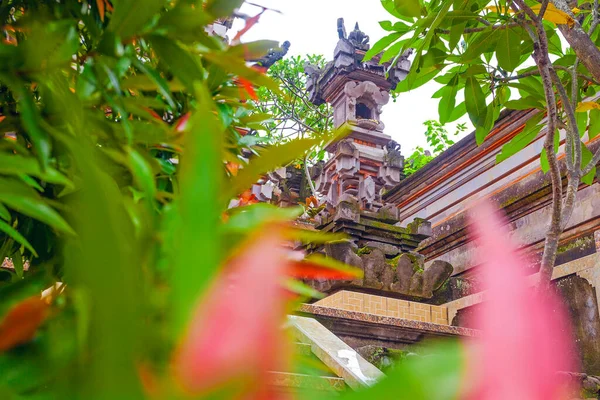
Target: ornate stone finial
point(273, 55)
point(341, 26)
point(359, 39)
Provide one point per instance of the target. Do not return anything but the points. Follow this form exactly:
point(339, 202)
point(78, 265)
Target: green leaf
point(508, 50)
point(4, 213)
point(408, 8)
point(222, 8)
point(17, 260)
point(544, 163)
point(480, 43)
point(249, 218)
point(268, 160)
point(13, 233)
point(251, 51)
point(594, 128)
point(522, 139)
point(301, 289)
point(17, 164)
point(142, 174)
point(30, 117)
point(456, 32)
point(475, 102)
point(586, 157)
point(441, 362)
point(381, 45)
point(448, 100)
point(181, 62)
point(25, 200)
point(161, 84)
point(525, 103)
point(582, 122)
point(198, 247)
point(130, 16)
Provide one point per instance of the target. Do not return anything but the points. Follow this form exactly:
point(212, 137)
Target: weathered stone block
point(374, 265)
point(388, 249)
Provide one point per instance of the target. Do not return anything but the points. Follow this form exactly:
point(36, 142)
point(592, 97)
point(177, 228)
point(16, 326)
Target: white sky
point(311, 27)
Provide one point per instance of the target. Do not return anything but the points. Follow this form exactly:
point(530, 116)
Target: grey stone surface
point(333, 352)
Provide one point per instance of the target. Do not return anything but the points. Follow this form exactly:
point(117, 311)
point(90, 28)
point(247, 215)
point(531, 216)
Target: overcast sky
point(311, 27)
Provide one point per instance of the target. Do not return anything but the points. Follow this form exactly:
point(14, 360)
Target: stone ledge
point(362, 321)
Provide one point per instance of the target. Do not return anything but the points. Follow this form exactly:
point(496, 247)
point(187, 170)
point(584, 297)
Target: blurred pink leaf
point(526, 333)
point(236, 332)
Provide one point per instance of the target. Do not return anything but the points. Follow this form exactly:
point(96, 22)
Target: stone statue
point(359, 39)
point(392, 146)
point(273, 55)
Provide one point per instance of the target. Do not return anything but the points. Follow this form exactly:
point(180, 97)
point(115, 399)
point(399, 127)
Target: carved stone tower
point(363, 165)
point(367, 161)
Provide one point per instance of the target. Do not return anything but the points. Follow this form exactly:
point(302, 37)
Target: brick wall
point(386, 306)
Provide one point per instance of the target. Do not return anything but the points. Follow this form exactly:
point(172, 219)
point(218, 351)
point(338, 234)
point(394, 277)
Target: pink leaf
point(526, 334)
point(235, 332)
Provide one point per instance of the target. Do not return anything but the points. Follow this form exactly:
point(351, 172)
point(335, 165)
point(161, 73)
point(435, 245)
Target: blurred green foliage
point(117, 121)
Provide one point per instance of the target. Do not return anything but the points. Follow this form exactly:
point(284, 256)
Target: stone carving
point(359, 39)
point(273, 55)
point(405, 274)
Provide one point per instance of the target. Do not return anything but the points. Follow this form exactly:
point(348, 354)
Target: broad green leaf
point(586, 157)
point(249, 218)
point(17, 164)
point(508, 50)
point(440, 362)
point(458, 112)
point(448, 100)
point(232, 64)
point(30, 117)
point(475, 102)
point(415, 80)
point(25, 200)
point(17, 260)
point(456, 32)
point(408, 8)
point(106, 241)
point(594, 128)
point(544, 163)
point(4, 213)
point(131, 16)
point(392, 52)
point(161, 84)
point(267, 161)
point(142, 174)
point(18, 237)
point(381, 45)
point(522, 139)
point(222, 8)
point(480, 43)
point(525, 103)
point(251, 51)
point(198, 248)
point(582, 122)
point(185, 66)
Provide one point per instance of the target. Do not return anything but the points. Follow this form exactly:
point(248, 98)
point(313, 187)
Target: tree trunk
point(585, 49)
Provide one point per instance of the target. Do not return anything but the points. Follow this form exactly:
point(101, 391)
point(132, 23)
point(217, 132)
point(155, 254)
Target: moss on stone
point(581, 243)
point(363, 250)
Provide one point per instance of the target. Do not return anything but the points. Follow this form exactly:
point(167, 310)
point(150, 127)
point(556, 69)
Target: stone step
point(292, 381)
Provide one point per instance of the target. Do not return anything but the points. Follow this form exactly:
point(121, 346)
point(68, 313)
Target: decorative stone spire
point(362, 165)
point(367, 161)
